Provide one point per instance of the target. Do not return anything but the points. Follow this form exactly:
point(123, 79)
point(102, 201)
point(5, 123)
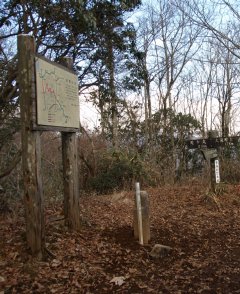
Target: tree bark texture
point(113, 95)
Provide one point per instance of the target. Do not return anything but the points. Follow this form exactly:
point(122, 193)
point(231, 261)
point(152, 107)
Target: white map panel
point(57, 95)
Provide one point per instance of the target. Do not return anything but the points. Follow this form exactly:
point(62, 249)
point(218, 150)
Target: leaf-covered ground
point(105, 258)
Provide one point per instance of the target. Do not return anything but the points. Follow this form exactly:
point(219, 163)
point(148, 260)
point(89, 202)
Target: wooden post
point(145, 218)
point(214, 170)
point(31, 150)
point(70, 180)
point(70, 173)
point(139, 213)
point(215, 174)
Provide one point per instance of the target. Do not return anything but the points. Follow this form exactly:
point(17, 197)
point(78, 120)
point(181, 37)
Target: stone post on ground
point(145, 218)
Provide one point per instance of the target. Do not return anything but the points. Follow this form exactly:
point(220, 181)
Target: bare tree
point(174, 44)
point(226, 83)
point(146, 69)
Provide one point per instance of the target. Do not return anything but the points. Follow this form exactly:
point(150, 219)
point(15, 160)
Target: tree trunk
point(113, 96)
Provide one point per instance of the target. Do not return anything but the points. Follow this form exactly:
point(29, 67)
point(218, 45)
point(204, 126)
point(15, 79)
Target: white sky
point(89, 116)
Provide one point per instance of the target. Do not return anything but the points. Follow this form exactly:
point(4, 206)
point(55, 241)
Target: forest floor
point(104, 257)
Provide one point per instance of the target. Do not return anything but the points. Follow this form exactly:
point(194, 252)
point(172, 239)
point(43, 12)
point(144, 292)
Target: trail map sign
point(57, 95)
point(49, 101)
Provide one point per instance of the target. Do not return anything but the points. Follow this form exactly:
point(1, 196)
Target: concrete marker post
point(139, 213)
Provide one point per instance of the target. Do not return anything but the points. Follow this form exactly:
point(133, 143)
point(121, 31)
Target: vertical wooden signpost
point(211, 156)
point(209, 148)
point(48, 102)
point(215, 173)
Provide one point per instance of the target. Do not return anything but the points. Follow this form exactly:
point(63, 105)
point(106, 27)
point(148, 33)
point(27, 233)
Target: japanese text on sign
point(57, 95)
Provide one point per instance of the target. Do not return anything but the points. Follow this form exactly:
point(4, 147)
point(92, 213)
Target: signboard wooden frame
point(31, 153)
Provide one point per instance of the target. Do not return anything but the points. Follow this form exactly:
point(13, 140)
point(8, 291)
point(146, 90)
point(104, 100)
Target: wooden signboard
point(57, 95)
point(213, 142)
point(48, 101)
point(209, 149)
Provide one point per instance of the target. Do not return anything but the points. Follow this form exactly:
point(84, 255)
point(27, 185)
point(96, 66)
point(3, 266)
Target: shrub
point(116, 171)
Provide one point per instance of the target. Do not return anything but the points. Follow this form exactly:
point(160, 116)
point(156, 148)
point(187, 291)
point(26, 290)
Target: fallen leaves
point(105, 257)
point(118, 281)
point(55, 263)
